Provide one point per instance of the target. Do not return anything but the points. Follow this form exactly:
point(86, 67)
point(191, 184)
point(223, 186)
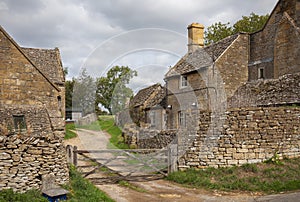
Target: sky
point(146, 35)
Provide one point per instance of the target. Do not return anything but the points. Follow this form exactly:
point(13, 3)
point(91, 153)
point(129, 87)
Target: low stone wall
point(144, 138)
point(284, 90)
point(27, 155)
point(248, 135)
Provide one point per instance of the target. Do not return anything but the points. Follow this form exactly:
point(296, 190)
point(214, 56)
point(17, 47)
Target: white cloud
point(97, 34)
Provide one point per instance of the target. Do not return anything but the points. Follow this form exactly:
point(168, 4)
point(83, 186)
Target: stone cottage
point(237, 101)
point(147, 107)
point(32, 112)
point(205, 76)
point(229, 100)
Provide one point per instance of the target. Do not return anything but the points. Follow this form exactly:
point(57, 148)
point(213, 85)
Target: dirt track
point(162, 190)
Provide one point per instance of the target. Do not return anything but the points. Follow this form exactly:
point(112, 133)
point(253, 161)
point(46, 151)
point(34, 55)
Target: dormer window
point(183, 82)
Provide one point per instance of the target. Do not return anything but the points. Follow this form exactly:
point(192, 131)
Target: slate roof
point(48, 61)
point(149, 97)
point(202, 57)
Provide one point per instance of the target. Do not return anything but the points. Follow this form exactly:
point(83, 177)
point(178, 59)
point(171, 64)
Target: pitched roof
point(27, 57)
point(47, 60)
point(200, 58)
point(149, 97)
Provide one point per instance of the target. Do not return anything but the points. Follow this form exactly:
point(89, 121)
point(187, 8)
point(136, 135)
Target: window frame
point(152, 116)
point(17, 119)
point(261, 73)
point(181, 119)
point(183, 83)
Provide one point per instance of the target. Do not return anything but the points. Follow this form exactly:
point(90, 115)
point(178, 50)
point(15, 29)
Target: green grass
point(70, 134)
point(83, 190)
point(93, 126)
point(107, 124)
point(132, 186)
point(263, 177)
point(80, 190)
point(29, 196)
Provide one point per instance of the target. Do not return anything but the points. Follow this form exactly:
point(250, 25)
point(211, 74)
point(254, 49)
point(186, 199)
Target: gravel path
point(162, 190)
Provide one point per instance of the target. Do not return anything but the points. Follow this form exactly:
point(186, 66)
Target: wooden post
point(172, 158)
point(69, 149)
point(75, 156)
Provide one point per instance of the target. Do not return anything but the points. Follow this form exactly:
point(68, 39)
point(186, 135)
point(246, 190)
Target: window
point(152, 118)
point(181, 119)
point(261, 73)
point(19, 122)
point(183, 82)
point(59, 103)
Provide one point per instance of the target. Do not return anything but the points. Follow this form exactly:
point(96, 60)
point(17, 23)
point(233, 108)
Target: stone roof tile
point(200, 58)
point(48, 61)
point(149, 97)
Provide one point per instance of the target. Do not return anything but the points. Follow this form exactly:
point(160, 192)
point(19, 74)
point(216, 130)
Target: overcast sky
point(146, 35)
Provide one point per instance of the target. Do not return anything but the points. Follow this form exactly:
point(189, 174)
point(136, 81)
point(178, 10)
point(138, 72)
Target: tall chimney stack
point(196, 37)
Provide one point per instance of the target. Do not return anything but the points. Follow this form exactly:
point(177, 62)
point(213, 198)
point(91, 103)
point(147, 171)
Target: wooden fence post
point(75, 156)
point(172, 158)
point(69, 149)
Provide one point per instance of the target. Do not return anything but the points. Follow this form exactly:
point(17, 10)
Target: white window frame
point(152, 115)
point(183, 81)
point(181, 119)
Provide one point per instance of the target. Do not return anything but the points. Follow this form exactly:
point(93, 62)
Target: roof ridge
point(224, 39)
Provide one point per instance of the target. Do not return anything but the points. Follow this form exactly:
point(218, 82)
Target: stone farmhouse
point(32, 94)
point(237, 101)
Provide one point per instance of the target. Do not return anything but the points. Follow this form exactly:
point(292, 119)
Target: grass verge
point(264, 177)
point(83, 190)
point(107, 124)
point(29, 196)
point(80, 190)
point(70, 134)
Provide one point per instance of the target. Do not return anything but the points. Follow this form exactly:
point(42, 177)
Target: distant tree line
point(109, 92)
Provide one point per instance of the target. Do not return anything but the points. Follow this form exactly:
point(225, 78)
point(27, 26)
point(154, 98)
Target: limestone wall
point(143, 138)
point(248, 135)
point(27, 155)
point(285, 90)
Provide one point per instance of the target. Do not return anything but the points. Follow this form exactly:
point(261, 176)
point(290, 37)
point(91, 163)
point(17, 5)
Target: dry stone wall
point(144, 138)
point(27, 155)
point(248, 135)
point(285, 90)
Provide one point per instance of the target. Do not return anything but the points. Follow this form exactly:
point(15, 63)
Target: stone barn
point(32, 111)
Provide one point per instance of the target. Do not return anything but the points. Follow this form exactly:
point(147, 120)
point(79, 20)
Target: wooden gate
point(114, 165)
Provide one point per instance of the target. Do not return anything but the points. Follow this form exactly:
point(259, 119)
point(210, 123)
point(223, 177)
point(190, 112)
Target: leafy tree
point(66, 71)
point(217, 31)
point(112, 92)
point(84, 93)
point(69, 85)
point(249, 24)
